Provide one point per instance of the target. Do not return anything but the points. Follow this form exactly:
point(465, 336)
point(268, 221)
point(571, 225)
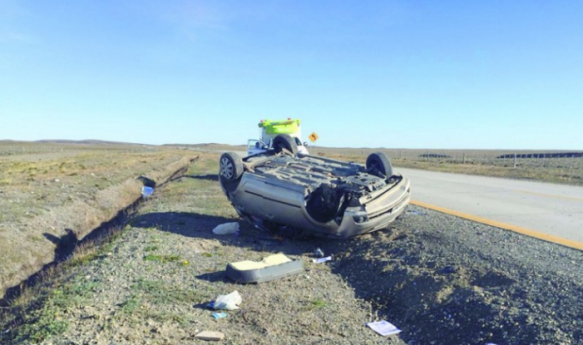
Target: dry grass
point(44, 194)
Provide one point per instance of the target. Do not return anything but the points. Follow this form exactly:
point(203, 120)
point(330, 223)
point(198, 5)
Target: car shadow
point(200, 226)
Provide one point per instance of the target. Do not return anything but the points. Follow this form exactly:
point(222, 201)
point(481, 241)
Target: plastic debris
point(228, 302)
point(321, 260)
point(220, 315)
point(226, 229)
point(318, 253)
point(210, 336)
point(147, 191)
point(384, 328)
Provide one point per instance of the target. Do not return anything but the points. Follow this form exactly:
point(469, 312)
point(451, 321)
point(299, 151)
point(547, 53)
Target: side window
point(298, 141)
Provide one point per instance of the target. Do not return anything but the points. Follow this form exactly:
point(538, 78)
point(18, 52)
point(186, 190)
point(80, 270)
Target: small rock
point(448, 269)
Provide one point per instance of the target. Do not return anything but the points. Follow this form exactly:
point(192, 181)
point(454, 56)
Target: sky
point(393, 74)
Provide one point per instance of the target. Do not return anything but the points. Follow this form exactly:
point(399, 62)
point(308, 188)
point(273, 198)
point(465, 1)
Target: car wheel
point(230, 167)
point(285, 141)
point(379, 161)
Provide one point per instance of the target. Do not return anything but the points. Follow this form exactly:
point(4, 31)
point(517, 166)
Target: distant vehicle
point(310, 195)
point(270, 129)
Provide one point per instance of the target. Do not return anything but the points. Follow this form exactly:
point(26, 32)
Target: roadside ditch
point(66, 245)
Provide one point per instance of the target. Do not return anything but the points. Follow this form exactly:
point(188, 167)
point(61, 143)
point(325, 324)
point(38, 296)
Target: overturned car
point(310, 195)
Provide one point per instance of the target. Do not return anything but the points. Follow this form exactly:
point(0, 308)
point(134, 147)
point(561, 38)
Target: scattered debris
point(147, 191)
point(210, 336)
point(270, 268)
point(384, 328)
point(321, 260)
point(318, 253)
point(226, 229)
point(228, 302)
point(220, 315)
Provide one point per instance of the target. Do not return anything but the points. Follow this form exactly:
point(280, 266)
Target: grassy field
point(53, 194)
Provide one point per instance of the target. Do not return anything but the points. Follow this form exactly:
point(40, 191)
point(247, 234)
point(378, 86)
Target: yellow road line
point(551, 195)
point(517, 229)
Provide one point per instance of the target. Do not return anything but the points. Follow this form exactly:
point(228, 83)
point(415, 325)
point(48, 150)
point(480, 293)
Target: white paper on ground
point(383, 327)
point(319, 261)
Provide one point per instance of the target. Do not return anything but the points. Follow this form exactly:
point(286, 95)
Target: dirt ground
point(440, 279)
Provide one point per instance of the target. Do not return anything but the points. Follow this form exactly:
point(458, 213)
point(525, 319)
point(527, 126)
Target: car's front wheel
point(230, 167)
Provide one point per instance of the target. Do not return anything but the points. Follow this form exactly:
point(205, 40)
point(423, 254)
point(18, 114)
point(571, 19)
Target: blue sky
point(395, 74)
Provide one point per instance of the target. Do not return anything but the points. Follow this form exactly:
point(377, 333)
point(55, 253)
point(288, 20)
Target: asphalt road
point(543, 207)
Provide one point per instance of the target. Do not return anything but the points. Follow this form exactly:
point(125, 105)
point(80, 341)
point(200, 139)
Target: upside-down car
point(312, 195)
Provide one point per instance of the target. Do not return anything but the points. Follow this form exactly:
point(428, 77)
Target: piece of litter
point(319, 261)
point(383, 327)
point(226, 229)
point(220, 315)
point(210, 335)
point(147, 191)
point(228, 302)
point(318, 253)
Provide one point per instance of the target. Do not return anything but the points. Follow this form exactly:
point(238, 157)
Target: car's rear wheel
point(380, 162)
point(285, 141)
point(230, 168)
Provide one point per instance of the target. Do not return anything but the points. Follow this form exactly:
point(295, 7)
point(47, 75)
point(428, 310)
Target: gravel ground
point(441, 279)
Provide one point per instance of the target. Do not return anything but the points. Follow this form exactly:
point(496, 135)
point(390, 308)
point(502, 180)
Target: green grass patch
point(151, 248)
point(160, 293)
point(161, 258)
point(317, 303)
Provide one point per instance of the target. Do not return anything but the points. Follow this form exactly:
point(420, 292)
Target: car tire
point(285, 141)
point(379, 161)
point(230, 167)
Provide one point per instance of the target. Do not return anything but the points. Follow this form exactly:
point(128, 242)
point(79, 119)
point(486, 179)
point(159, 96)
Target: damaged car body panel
point(314, 195)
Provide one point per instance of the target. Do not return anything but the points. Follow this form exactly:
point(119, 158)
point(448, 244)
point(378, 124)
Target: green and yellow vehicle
point(269, 129)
